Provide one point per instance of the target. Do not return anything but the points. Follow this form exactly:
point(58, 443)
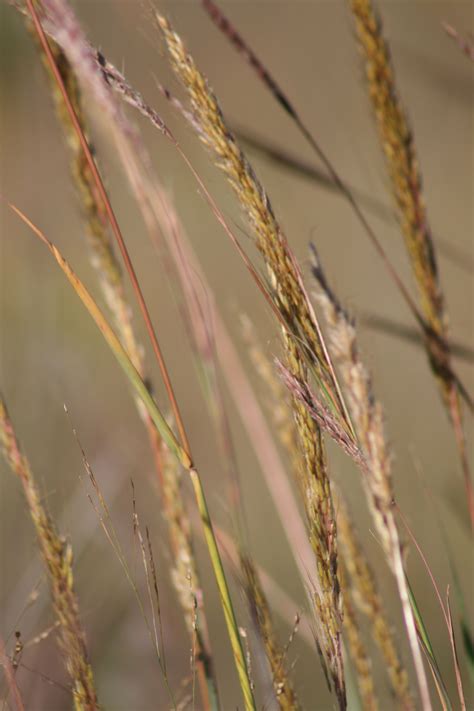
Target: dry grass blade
point(58, 558)
point(115, 344)
point(151, 584)
point(179, 452)
point(403, 166)
point(95, 214)
point(446, 612)
point(291, 300)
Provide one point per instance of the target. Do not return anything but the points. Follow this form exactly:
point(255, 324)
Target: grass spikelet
point(111, 281)
point(284, 275)
point(280, 409)
point(181, 454)
point(58, 559)
point(260, 610)
point(406, 179)
point(362, 584)
point(290, 298)
point(159, 214)
point(185, 574)
point(367, 417)
point(357, 650)
point(398, 145)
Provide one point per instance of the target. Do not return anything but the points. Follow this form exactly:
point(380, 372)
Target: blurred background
point(51, 353)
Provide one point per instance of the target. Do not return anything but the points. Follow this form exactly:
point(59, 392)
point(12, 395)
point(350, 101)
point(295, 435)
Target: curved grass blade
point(174, 446)
point(114, 343)
point(428, 650)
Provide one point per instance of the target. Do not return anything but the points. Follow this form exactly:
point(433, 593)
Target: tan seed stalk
point(261, 614)
point(367, 417)
point(291, 300)
point(361, 581)
point(357, 650)
point(398, 144)
point(280, 409)
point(58, 560)
point(110, 278)
point(185, 574)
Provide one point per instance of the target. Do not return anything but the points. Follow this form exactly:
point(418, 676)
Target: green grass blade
point(174, 446)
point(114, 343)
point(428, 649)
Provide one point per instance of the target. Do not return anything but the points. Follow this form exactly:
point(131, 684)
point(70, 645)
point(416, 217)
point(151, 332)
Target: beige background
point(51, 353)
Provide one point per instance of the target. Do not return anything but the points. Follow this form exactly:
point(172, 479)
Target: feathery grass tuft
point(367, 416)
point(404, 170)
point(362, 585)
point(290, 298)
point(58, 560)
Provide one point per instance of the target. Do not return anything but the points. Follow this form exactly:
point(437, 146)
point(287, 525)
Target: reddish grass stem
point(114, 225)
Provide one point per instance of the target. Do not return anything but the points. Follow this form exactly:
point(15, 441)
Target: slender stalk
point(111, 281)
point(363, 584)
point(375, 462)
point(58, 558)
point(113, 222)
point(301, 336)
point(181, 454)
point(403, 167)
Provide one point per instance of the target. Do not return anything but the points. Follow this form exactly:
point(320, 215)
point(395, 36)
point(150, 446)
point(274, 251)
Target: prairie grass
point(57, 556)
point(262, 471)
point(405, 174)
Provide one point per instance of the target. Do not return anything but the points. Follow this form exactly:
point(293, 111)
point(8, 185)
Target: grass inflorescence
point(318, 392)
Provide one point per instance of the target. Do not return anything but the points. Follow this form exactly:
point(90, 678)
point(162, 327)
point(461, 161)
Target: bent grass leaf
point(174, 446)
point(113, 341)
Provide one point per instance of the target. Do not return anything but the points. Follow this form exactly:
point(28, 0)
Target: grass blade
point(174, 446)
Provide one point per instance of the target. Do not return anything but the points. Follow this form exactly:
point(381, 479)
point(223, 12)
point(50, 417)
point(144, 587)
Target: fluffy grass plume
point(110, 278)
point(360, 582)
point(291, 300)
point(403, 166)
point(308, 402)
point(357, 649)
point(367, 417)
point(261, 614)
point(58, 560)
point(181, 454)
